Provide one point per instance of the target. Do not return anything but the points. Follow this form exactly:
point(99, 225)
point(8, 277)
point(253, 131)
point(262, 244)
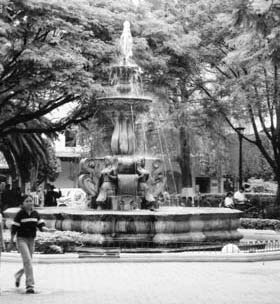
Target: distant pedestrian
point(2, 243)
point(7, 197)
point(17, 196)
point(228, 203)
point(24, 227)
point(239, 197)
point(52, 196)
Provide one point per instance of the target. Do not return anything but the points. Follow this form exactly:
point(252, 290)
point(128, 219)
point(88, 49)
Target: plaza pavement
point(168, 283)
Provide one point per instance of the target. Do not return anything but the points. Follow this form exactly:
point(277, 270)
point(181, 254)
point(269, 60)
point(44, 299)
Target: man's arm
point(57, 194)
point(14, 228)
point(42, 226)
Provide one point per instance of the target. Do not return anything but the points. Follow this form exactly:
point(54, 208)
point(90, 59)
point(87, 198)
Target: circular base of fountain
point(164, 227)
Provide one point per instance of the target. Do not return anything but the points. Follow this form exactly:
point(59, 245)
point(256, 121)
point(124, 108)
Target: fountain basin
point(124, 104)
point(167, 226)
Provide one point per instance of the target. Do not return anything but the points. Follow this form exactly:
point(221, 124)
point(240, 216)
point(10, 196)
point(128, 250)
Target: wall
point(67, 178)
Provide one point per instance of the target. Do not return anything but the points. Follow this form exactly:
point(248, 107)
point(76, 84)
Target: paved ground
point(147, 283)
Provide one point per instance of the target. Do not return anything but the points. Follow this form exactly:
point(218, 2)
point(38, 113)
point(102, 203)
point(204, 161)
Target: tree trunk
point(185, 158)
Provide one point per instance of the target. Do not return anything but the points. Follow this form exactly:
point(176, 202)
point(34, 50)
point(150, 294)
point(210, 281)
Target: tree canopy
point(217, 59)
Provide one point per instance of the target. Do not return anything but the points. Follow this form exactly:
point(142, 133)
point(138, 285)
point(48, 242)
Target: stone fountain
point(120, 181)
point(120, 184)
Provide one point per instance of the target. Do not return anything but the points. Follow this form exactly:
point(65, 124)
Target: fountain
point(122, 183)
point(120, 186)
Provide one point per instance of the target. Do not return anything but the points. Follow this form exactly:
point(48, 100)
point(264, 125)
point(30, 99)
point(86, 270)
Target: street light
point(240, 131)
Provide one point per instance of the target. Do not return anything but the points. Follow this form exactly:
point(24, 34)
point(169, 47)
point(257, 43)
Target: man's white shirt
point(240, 197)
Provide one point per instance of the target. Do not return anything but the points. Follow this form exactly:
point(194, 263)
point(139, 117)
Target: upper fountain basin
point(126, 103)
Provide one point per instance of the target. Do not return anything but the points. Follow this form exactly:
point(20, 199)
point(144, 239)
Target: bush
point(65, 240)
point(60, 241)
point(260, 224)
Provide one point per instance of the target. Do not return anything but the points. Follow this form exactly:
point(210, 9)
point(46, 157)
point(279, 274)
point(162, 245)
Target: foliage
point(254, 163)
point(57, 53)
point(66, 240)
point(47, 170)
point(236, 75)
point(217, 60)
point(260, 224)
point(26, 151)
point(43, 65)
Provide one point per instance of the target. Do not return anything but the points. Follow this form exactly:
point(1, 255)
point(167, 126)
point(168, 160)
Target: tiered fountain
point(119, 185)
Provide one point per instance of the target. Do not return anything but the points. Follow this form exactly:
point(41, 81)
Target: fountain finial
point(126, 44)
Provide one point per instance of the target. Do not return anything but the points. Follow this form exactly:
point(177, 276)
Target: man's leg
point(18, 276)
point(24, 246)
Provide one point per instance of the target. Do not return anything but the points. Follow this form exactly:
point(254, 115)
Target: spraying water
point(126, 42)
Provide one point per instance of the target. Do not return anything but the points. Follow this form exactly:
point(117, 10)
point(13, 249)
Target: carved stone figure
point(143, 176)
point(158, 179)
point(88, 178)
point(126, 43)
point(107, 182)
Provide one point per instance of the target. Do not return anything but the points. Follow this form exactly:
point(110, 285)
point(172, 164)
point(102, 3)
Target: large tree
point(47, 54)
point(237, 69)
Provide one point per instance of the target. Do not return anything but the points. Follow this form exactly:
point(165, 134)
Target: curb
point(146, 258)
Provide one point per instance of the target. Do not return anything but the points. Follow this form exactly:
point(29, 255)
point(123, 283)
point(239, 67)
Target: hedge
point(59, 242)
point(260, 224)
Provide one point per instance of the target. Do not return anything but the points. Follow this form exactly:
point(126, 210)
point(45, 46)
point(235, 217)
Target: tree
point(49, 57)
point(237, 69)
point(25, 152)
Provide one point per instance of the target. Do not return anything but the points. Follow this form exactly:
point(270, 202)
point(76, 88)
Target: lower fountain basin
point(164, 227)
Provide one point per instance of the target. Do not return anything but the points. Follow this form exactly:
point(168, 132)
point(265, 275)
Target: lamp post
point(240, 131)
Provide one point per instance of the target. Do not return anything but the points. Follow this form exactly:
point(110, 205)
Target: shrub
point(60, 241)
point(260, 224)
point(66, 240)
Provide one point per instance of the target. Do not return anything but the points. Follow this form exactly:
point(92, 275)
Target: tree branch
point(260, 114)
point(270, 107)
point(226, 117)
point(258, 142)
point(21, 118)
point(56, 127)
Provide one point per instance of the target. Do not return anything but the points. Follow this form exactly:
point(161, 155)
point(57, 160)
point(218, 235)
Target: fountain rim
point(163, 212)
point(123, 156)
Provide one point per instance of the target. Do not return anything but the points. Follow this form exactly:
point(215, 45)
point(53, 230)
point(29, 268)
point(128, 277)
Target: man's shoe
point(30, 290)
point(17, 281)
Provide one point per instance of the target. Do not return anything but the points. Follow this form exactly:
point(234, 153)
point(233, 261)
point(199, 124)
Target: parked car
point(72, 197)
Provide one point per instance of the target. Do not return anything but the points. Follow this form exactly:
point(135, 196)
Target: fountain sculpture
point(119, 184)
point(123, 183)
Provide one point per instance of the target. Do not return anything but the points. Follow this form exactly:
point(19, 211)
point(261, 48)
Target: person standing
point(52, 196)
point(24, 227)
point(7, 198)
point(229, 200)
point(2, 243)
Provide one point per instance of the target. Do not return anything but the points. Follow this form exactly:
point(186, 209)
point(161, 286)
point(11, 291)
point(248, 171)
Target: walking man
point(24, 227)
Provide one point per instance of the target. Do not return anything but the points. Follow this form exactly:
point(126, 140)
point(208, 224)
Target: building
point(69, 154)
